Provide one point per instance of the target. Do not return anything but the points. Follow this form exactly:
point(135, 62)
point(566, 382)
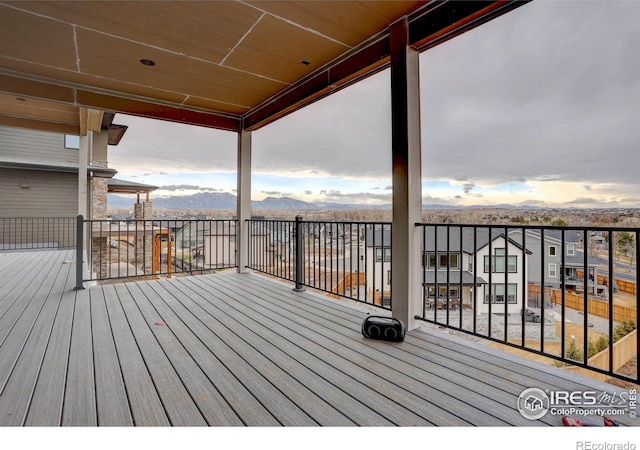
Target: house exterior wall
point(219, 250)
point(378, 274)
point(534, 263)
point(505, 277)
point(38, 147)
point(37, 194)
point(32, 193)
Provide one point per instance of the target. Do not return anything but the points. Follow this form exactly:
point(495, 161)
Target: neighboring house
point(220, 245)
point(547, 258)
point(377, 266)
point(206, 243)
point(39, 179)
point(40, 188)
point(483, 268)
point(474, 268)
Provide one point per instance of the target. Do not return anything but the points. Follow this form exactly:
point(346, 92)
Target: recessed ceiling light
point(147, 62)
point(305, 62)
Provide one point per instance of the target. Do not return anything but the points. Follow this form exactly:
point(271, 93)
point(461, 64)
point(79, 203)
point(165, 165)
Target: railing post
point(299, 256)
point(79, 251)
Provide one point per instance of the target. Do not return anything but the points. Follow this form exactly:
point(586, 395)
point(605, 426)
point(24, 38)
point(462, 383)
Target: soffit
point(217, 63)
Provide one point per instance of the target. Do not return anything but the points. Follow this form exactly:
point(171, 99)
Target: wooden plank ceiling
point(224, 64)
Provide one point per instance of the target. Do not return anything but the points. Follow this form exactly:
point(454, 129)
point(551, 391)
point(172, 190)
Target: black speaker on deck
point(383, 328)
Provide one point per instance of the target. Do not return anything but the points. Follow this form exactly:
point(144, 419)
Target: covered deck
point(236, 349)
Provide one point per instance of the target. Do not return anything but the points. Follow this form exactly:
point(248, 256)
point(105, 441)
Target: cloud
point(468, 187)
point(582, 201)
point(181, 187)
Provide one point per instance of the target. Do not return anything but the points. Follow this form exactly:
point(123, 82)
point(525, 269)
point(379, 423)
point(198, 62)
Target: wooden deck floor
point(232, 349)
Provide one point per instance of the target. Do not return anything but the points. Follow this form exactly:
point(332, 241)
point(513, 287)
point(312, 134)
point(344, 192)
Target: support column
point(86, 144)
point(407, 177)
point(243, 205)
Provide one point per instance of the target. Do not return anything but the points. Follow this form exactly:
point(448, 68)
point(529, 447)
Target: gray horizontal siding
point(17, 144)
point(49, 194)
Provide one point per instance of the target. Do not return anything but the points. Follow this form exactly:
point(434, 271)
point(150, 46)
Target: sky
point(538, 107)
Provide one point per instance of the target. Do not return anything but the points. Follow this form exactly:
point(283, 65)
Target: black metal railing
point(37, 233)
point(345, 259)
point(151, 248)
point(565, 293)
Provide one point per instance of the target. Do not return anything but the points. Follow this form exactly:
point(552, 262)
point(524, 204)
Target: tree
point(558, 223)
point(624, 242)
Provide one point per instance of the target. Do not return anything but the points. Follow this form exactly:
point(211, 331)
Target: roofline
point(102, 172)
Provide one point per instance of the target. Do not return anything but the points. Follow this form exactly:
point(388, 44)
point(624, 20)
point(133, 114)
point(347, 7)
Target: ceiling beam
point(42, 125)
point(89, 98)
point(149, 108)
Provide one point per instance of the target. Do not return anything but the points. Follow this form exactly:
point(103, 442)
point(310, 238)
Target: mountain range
point(224, 200)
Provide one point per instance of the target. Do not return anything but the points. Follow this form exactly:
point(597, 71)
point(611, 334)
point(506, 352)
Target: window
point(454, 291)
point(552, 271)
point(389, 277)
point(71, 141)
point(429, 260)
point(571, 249)
point(383, 251)
point(552, 250)
point(498, 264)
point(470, 264)
point(498, 294)
point(444, 260)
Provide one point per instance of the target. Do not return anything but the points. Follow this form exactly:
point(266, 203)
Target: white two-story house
point(465, 267)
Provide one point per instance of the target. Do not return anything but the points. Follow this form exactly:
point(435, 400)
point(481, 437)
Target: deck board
point(231, 349)
point(298, 340)
point(371, 357)
point(18, 322)
point(246, 363)
point(49, 391)
point(374, 366)
point(38, 319)
point(80, 392)
point(228, 373)
point(146, 407)
point(111, 393)
point(178, 404)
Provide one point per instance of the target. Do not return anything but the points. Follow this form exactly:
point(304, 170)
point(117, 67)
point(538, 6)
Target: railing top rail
point(531, 226)
point(325, 221)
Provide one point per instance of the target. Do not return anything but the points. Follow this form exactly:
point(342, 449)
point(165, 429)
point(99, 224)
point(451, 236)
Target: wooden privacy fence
point(623, 285)
point(575, 301)
point(349, 281)
point(623, 351)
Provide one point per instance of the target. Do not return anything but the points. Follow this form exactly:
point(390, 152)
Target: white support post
point(86, 148)
point(243, 200)
point(406, 290)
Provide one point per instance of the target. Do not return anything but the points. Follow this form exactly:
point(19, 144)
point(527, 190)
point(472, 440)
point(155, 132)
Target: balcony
point(265, 348)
